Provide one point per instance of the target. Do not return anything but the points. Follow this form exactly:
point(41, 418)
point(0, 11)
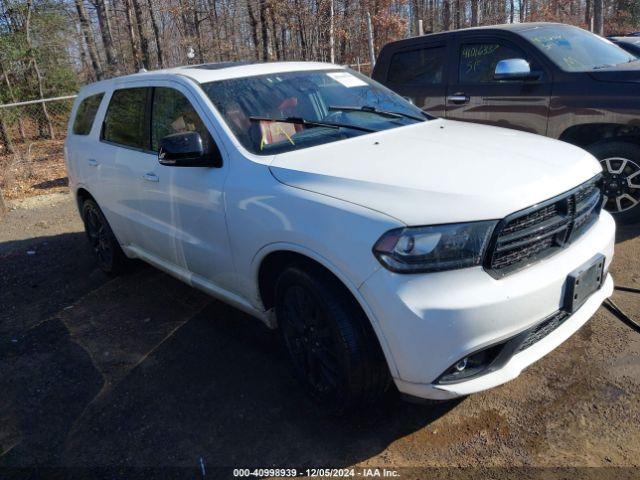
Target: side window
point(478, 60)
point(86, 114)
point(125, 120)
point(417, 67)
point(173, 113)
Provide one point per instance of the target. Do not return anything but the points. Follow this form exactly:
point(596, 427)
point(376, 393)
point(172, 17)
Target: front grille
point(539, 231)
point(543, 329)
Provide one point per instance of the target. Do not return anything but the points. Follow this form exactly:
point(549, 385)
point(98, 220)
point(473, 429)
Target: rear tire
point(334, 351)
point(111, 259)
point(621, 166)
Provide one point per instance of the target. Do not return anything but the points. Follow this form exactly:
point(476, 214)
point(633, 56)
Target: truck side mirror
point(514, 69)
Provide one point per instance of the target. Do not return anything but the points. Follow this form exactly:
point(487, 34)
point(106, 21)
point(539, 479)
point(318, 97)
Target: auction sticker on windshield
point(347, 79)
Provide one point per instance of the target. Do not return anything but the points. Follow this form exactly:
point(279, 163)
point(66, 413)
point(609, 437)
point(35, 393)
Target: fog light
point(462, 364)
point(472, 365)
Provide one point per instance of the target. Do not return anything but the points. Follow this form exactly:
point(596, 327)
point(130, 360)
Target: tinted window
point(576, 50)
point(173, 113)
point(478, 60)
point(86, 114)
point(417, 67)
point(125, 119)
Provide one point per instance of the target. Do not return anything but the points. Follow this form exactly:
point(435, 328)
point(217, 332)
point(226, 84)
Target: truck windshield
point(576, 50)
point(288, 111)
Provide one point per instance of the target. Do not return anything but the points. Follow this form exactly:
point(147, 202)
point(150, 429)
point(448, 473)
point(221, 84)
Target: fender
point(261, 254)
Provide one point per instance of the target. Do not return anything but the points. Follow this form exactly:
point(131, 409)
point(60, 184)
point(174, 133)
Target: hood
point(439, 171)
point(625, 73)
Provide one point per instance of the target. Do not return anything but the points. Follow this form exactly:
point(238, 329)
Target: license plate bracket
point(583, 282)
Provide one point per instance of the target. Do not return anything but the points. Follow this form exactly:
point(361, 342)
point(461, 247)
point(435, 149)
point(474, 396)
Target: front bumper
point(429, 321)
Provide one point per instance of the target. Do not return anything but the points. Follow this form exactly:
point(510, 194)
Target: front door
point(187, 202)
point(474, 95)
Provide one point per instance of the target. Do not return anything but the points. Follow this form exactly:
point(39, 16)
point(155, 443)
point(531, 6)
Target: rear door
point(418, 73)
point(124, 158)
point(474, 95)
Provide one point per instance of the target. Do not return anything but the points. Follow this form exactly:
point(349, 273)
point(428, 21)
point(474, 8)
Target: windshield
point(315, 107)
point(576, 50)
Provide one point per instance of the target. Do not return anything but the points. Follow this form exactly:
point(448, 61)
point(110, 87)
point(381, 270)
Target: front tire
point(110, 257)
point(334, 351)
point(621, 166)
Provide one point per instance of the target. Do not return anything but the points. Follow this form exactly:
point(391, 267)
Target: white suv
point(389, 247)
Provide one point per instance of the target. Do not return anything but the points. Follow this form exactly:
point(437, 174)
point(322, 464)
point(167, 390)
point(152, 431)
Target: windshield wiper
point(311, 123)
point(370, 109)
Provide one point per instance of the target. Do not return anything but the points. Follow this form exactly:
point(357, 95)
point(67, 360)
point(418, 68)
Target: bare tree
point(34, 63)
point(106, 34)
point(598, 16)
point(88, 38)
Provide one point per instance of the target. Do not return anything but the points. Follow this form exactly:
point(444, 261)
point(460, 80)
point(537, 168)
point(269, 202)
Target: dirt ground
point(143, 371)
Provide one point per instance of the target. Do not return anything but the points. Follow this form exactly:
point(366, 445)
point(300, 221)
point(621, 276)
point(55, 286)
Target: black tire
point(333, 348)
point(111, 259)
point(621, 166)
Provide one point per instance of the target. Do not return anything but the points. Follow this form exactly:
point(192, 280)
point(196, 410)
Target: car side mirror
point(186, 149)
point(514, 69)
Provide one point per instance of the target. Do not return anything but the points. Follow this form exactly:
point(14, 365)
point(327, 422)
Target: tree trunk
point(144, 41)
point(3, 207)
point(215, 28)
point(107, 36)
point(458, 14)
point(511, 7)
point(254, 29)
point(135, 47)
point(446, 15)
point(274, 34)
point(156, 35)
point(34, 63)
point(598, 17)
point(433, 15)
point(264, 30)
point(88, 38)
point(196, 28)
point(5, 139)
point(474, 13)
point(13, 100)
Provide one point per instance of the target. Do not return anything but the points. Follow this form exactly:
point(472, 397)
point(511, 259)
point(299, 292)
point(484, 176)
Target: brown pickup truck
point(545, 78)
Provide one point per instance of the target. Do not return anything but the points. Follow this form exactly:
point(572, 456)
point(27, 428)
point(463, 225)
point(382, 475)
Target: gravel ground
point(143, 371)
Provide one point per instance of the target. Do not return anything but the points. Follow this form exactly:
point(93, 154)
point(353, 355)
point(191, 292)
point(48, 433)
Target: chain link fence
point(32, 134)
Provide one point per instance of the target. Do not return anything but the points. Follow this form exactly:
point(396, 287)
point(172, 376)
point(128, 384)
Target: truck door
point(475, 95)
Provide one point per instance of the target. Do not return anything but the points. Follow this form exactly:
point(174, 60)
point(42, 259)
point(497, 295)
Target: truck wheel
point(621, 166)
point(334, 351)
point(111, 258)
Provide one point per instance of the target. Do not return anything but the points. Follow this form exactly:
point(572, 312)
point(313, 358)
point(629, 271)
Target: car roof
point(210, 72)
point(509, 27)
point(631, 40)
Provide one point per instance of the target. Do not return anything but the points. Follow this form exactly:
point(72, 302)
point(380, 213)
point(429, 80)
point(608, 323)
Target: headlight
point(435, 248)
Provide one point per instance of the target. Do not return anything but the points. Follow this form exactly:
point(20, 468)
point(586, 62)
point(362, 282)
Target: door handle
point(458, 98)
point(151, 177)
point(92, 162)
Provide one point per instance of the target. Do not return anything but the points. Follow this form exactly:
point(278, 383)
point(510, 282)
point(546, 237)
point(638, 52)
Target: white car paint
point(212, 227)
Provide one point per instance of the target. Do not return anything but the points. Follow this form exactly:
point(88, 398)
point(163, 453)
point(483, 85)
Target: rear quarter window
point(86, 114)
point(417, 67)
point(125, 122)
